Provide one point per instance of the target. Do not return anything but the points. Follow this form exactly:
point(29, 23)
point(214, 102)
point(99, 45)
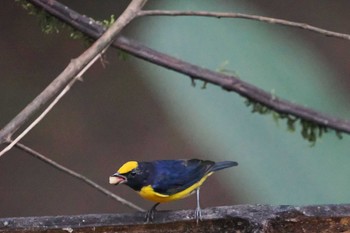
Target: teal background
point(276, 167)
point(132, 110)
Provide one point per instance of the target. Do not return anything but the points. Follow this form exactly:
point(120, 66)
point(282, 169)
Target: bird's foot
point(150, 214)
point(198, 214)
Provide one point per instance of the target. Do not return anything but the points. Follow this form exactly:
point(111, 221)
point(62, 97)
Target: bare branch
point(246, 16)
point(77, 176)
point(51, 105)
point(72, 70)
point(230, 83)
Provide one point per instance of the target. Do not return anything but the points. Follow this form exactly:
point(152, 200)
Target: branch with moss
point(72, 71)
point(313, 123)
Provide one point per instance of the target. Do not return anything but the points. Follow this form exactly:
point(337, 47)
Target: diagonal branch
point(71, 71)
point(246, 16)
point(49, 107)
point(64, 81)
point(229, 83)
point(76, 175)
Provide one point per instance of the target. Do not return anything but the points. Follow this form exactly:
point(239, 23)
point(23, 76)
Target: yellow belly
point(148, 193)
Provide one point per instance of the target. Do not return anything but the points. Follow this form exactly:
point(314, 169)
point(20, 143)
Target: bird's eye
point(133, 173)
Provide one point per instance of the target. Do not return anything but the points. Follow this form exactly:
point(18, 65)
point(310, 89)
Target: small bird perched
point(167, 180)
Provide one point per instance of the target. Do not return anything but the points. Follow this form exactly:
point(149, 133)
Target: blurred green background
point(132, 110)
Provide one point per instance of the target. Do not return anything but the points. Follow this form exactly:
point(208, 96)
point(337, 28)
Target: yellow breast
point(148, 193)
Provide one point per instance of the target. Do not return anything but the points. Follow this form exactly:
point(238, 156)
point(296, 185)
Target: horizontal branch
point(240, 218)
point(227, 82)
point(246, 16)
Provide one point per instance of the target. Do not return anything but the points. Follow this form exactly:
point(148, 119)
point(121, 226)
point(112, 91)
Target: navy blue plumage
point(167, 180)
point(173, 176)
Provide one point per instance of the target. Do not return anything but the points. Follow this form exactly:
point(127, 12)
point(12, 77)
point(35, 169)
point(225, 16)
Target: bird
point(167, 180)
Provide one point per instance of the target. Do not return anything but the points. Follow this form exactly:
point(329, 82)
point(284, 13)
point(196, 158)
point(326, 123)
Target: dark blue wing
point(173, 176)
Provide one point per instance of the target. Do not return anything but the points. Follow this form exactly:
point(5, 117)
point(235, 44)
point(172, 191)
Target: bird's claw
point(198, 214)
point(149, 216)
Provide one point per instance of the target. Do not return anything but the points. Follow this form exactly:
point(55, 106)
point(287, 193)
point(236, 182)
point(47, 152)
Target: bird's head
point(134, 174)
point(128, 170)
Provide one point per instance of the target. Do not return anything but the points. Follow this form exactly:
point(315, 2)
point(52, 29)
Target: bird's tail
point(222, 165)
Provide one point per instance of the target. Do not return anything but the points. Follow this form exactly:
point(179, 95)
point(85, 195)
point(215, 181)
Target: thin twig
point(76, 175)
point(51, 105)
point(66, 79)
point(246, 16)
point(72, 70)
point(230, 83)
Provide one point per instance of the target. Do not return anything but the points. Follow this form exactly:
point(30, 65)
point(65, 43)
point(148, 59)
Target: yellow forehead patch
point(127, 167)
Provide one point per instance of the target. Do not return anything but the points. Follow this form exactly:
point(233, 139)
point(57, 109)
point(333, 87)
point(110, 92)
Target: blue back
point(173, 176)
